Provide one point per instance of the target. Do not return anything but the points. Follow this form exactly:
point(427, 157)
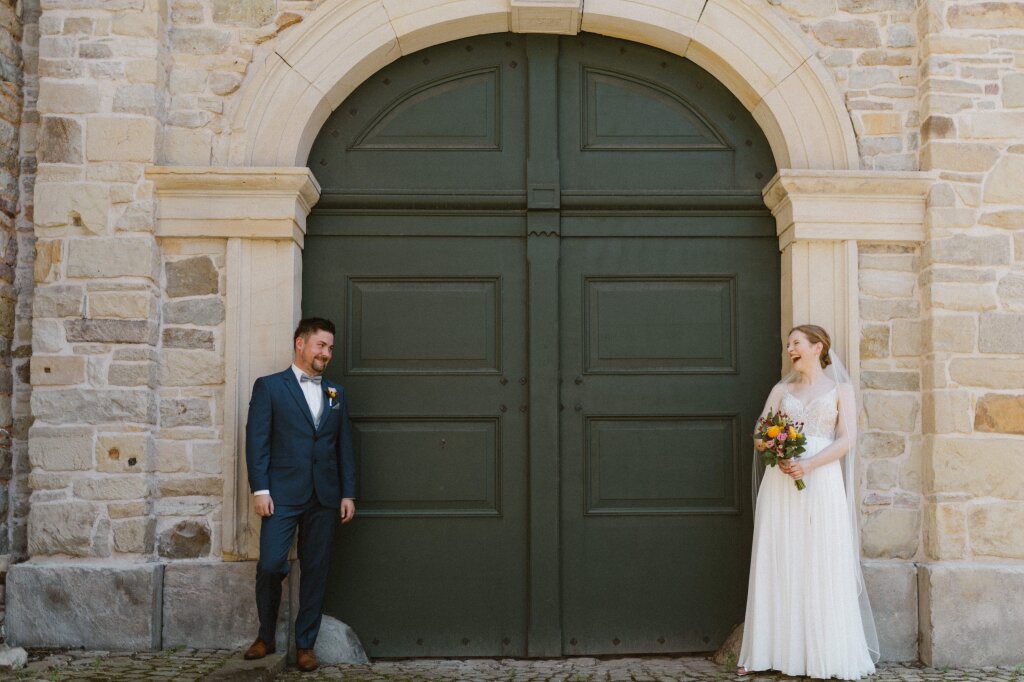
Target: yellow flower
point(792, 432)
point(774, 431)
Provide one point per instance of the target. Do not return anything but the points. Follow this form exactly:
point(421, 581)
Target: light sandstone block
point(99, 406)
point(125, 305)
point(1000, 373)
point(1001, 333)
point(1003, 185)
point(950, 296)
point(133, 536)
point(57, 370)
point(185, 147)
point(58, 301)
point(887, 284)
point(891, 533)
point(966, 617)
point(945, 530)
point(954, 333)
point(57, 97)
point(997, 529)
point(61, 449)
point(63, 527)
point(891, 412)
point(111, 488)
point(959, 156)
point(992, 124)
point(963, 465)
point(1000, 15)
point(1013, 90)
point(124, 453)
point(83, 205)
point(113, 257)
point(191, 368)
point(946, 412)
point(121, 139)
point(907, 338)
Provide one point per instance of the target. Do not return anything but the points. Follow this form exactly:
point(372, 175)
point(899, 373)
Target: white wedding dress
point(803, 613)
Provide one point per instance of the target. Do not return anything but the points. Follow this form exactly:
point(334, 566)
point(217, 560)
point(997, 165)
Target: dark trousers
point(316, 525)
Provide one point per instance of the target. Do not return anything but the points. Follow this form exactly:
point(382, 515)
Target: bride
point(807, 609)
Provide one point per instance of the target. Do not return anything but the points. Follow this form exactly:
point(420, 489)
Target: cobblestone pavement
point(188, 665)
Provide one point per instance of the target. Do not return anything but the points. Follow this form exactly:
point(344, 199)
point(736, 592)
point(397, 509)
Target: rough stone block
point(125, 305)
point(244, 12)
point(57, 370)
point(187, 337)
point(970, 250)
point(987, 372)
point(186, 147)
point(112, 257)
point(184, 540)
point(80, 406)
point(1003, 185)
point(57, 97)
point(121, 139)
point(111, 488)
point(206, 486)
point(61, 448)
point(338, 643)
point(59, 140)
point(134, 535)
point(891, 533)
point(58, 301)
point(184, 412)
point(892, 588)
point(132, 374)
point(847, 34)
point(968, 615)
point(111, 331)
point(209, 605)
point(203, 312)
point(960, 465)
point(881, 445)
point(124, 453)
point(108, 606)
point(61, 528)
point(192, 277)
point(192, 368)
point(996, 529)
point(996, 413)
point(954, 333)
point(199, 40)
point(1001, 333)
point(78, 204)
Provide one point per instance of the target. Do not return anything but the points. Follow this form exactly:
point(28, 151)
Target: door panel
point(431, 331)
point(659, 391)
point(620, 187)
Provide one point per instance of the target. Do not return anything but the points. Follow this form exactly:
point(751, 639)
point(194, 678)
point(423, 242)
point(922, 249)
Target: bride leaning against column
point(807, 609)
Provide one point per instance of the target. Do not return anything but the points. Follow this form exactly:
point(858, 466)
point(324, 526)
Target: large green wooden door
point(557, 289)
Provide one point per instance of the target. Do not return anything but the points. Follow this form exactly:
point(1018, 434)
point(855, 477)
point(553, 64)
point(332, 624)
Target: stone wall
point(128, 455)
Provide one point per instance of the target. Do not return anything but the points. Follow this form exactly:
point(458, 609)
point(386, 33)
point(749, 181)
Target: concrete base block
point(971, 614)
point(212, 605)
point(892, 588)
point(96, 606)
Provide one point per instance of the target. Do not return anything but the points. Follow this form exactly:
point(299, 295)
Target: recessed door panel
point(655, 454)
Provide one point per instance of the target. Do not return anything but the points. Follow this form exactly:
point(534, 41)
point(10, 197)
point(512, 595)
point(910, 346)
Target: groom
point(298, 449)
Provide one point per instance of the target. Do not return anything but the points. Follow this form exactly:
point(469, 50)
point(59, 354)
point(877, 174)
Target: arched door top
point(745, 45)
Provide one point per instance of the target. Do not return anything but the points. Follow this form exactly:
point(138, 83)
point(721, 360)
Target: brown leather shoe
point(259, 649)
point(306, 660)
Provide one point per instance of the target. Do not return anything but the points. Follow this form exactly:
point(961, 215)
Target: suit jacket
point(291, 456)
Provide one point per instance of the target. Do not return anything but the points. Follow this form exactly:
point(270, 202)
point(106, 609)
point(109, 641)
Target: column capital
point(815, 205)
point(228, 202)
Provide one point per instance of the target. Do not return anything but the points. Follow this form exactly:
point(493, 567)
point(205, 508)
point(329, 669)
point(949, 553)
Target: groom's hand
point(348, 509)
point(263, 505)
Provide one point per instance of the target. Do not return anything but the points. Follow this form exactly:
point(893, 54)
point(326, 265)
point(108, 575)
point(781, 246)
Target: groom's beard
point(319, 364)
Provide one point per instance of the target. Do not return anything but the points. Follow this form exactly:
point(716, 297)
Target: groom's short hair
point(312, 325)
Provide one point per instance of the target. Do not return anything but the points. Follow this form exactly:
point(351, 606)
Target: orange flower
point(774, 431)
point(792, 432)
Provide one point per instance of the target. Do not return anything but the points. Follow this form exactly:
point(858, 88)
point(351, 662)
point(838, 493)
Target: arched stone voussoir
point(744, 43)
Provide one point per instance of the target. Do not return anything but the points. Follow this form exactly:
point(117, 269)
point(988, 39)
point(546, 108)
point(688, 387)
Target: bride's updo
point(816, 334)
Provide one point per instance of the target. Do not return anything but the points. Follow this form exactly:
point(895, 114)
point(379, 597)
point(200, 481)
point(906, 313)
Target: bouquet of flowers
point(782, 438)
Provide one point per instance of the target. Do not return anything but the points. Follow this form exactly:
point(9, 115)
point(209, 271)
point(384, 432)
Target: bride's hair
point(816, 334)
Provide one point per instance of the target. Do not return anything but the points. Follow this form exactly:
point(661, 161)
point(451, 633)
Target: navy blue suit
point(308, 466)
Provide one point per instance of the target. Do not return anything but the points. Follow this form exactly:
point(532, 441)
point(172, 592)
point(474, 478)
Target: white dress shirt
point(314, 398)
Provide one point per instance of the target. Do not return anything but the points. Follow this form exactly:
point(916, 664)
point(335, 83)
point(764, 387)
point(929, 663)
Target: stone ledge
point(219, 202)
point(971, 613)
point(848, 205)
point(96, 606)
point(892, 588)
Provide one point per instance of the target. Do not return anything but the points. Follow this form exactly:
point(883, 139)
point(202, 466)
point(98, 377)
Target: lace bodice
point(819, 415)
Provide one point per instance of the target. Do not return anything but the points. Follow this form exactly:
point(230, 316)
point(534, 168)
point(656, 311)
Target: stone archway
point(259, 198)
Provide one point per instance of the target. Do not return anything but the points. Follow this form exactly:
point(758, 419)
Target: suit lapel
point(293, 387)
point(325, 412)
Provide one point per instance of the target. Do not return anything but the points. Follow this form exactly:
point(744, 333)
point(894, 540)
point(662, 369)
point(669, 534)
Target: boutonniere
point(332, 394)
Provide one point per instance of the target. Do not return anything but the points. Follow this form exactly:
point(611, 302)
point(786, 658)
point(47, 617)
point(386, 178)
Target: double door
point(557, 297)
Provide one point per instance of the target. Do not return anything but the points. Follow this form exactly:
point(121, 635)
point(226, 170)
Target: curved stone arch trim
point(754, 52)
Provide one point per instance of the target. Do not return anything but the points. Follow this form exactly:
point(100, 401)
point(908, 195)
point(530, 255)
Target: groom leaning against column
point(298, 449)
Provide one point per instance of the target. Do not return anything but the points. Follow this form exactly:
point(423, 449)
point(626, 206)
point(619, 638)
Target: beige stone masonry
point(261, 212)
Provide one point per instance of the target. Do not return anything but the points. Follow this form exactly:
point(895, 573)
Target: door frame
point(257, 197)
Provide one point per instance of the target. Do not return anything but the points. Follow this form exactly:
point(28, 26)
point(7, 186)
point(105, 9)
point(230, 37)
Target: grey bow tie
point(316, 380)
